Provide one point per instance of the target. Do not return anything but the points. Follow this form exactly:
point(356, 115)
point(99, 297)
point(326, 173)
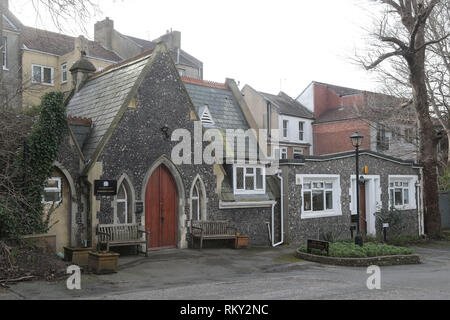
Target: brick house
point(340, 111)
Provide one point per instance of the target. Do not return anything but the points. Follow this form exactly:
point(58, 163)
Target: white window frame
point(42, 75)
point(52, 189)
point(64, 71)
point(129, 204)
point(336, 192)
point(245, 167)
point(284, 151)
point(198, 214)
point(411, 180)
point(301, 130)
point(5, 53)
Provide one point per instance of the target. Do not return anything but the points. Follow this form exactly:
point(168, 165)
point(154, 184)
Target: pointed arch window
point(198, 205)
point(124, 211)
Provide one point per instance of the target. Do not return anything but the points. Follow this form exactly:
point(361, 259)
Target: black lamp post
point(357, 140)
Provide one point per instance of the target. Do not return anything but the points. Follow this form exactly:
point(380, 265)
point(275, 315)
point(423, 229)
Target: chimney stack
point(81, 70)
point(103, 33)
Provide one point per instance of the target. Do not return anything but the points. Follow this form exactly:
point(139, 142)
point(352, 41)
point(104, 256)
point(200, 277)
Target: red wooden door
point(161, 203)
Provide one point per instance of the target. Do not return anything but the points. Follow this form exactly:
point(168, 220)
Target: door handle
point(162, 219)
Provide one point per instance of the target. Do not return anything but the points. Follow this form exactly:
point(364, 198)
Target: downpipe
point(281, 212)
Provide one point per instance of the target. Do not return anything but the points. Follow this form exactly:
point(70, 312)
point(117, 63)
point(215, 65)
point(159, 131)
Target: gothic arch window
point(198, 200)
point(124, 204)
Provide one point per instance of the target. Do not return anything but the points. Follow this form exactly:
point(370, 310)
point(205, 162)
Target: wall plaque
point(105, 188)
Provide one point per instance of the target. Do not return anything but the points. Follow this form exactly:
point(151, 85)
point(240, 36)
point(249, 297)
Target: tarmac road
point(252, 274)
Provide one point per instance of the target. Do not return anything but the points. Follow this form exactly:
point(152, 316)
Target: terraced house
point(10, 73)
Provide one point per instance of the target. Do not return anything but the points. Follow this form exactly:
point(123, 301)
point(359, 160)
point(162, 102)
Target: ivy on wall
point(36, 163)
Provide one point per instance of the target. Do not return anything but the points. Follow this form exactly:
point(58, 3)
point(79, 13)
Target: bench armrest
point(146, 232)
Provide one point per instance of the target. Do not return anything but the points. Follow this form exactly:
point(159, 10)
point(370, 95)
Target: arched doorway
point(161, 209)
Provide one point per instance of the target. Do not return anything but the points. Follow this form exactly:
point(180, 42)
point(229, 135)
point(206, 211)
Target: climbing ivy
point(36, 163)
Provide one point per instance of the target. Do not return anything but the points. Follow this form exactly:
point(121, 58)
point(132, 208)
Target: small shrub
point(347, 249)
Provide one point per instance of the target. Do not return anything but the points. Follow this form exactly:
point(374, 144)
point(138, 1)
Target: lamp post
point(357, 140)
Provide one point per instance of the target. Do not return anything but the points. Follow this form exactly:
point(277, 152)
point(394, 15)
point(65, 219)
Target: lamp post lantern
point(357, 140)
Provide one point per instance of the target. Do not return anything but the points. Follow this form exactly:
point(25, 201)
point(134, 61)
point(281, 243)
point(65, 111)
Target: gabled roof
point(288, 106)
point(102, 98)
point(340, 91)
point(183, 58)
point(9, 25)
point(223, 107)
point(60, 44)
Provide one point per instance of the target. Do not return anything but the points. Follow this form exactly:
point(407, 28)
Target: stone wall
point(299, 230)
point(138, 143)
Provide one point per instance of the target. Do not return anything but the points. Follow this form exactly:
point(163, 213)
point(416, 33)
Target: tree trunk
point(428, 141)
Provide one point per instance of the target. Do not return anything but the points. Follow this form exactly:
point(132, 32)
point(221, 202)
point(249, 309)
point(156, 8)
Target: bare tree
point(402, 37)
point(67, 12)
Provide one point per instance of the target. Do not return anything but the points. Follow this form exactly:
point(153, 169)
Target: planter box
point(103, 263)
point(78, 256)
point(46, 242)
point(242, 242)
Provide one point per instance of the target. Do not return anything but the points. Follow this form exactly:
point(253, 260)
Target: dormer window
point(206, 117)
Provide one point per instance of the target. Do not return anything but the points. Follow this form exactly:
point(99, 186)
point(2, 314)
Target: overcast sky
point(268, 44)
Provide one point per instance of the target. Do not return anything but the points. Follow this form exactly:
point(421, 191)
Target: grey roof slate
point(288, 106)
point(224, 109)
point(101, 98)
point(225, 112)
point(185, 58)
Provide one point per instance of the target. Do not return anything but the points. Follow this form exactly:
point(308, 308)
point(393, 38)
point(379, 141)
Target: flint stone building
point(121, 128)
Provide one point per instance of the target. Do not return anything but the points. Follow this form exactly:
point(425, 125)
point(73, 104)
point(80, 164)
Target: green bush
point(347, 249)
point(25, 214)
point(444, 181)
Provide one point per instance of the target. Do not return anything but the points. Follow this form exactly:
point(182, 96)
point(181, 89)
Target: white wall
point(307, 97)
point(293, 132)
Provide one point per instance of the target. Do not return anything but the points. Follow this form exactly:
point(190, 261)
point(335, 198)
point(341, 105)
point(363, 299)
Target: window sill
point(44, 84)
point(322, 214)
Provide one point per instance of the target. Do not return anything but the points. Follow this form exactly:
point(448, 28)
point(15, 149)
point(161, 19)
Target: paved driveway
point(253, 274)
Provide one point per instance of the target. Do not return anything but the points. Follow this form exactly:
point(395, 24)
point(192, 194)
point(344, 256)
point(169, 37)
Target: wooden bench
point(125, 235)
point(213, 230)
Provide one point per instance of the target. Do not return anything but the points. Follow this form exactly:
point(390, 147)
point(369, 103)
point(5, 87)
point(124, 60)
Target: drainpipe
point(282, 214)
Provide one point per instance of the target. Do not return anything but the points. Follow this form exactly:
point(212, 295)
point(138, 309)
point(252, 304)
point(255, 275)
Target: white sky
point(267, 44)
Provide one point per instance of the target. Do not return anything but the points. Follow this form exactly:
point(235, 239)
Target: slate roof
point(224, 109)
point(339, 114)
point(185, 58)
point(288, 106)
point(61, 44)
point(221, 103)
point(340, 91)
point(101, 98)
